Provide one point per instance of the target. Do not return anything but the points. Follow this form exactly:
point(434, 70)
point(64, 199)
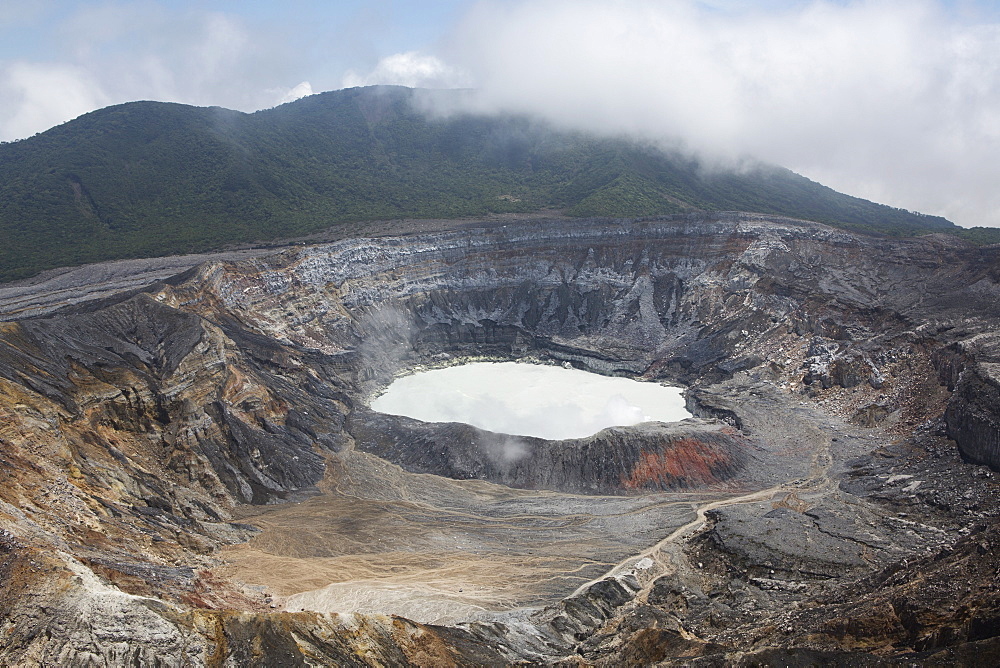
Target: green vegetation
point(979, 235)
point(150, 178)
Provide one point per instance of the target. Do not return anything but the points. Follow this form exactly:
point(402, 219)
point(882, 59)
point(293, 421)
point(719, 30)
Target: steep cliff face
point(136, 429)
point(619, 460)
point(971, 369)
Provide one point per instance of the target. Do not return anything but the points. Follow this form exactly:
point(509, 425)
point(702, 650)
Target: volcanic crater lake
point(523, 399)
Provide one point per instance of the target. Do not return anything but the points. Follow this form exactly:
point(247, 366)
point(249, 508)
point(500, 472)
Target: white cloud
point(43, 95)
point(300, 91)
point(898, 101)
point(110, 53)
point(412, 69)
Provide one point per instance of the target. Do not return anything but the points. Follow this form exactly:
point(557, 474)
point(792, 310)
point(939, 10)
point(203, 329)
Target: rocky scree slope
point(134, 427)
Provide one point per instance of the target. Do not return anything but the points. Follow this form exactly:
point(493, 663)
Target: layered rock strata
point(135, 429)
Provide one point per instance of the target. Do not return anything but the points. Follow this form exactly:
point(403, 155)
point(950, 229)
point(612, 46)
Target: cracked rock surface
point(190, 474)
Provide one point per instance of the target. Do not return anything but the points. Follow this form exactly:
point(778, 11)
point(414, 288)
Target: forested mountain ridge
point(152, 178)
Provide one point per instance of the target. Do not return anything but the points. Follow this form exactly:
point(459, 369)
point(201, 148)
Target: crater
point(544, 401)
point(231, 403)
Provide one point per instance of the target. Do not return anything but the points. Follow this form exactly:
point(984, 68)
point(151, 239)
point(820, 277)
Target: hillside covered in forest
point(151, 178)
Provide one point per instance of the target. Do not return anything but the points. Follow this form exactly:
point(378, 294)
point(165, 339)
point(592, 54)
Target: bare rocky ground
point(190, 475)
point(57, 288)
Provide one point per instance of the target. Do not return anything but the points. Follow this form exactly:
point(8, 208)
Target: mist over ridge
point(891, 101)
point(200, 306)
point(150, 178)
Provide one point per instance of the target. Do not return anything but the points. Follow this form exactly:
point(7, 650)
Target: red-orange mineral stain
point(686, 462)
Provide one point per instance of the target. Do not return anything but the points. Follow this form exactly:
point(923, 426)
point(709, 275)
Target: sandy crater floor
point(444, 550)
point(381, 540)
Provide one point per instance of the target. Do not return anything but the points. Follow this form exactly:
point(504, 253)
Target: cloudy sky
point(892, 100)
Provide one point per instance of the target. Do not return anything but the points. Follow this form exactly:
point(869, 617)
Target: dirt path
point(664, 554)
